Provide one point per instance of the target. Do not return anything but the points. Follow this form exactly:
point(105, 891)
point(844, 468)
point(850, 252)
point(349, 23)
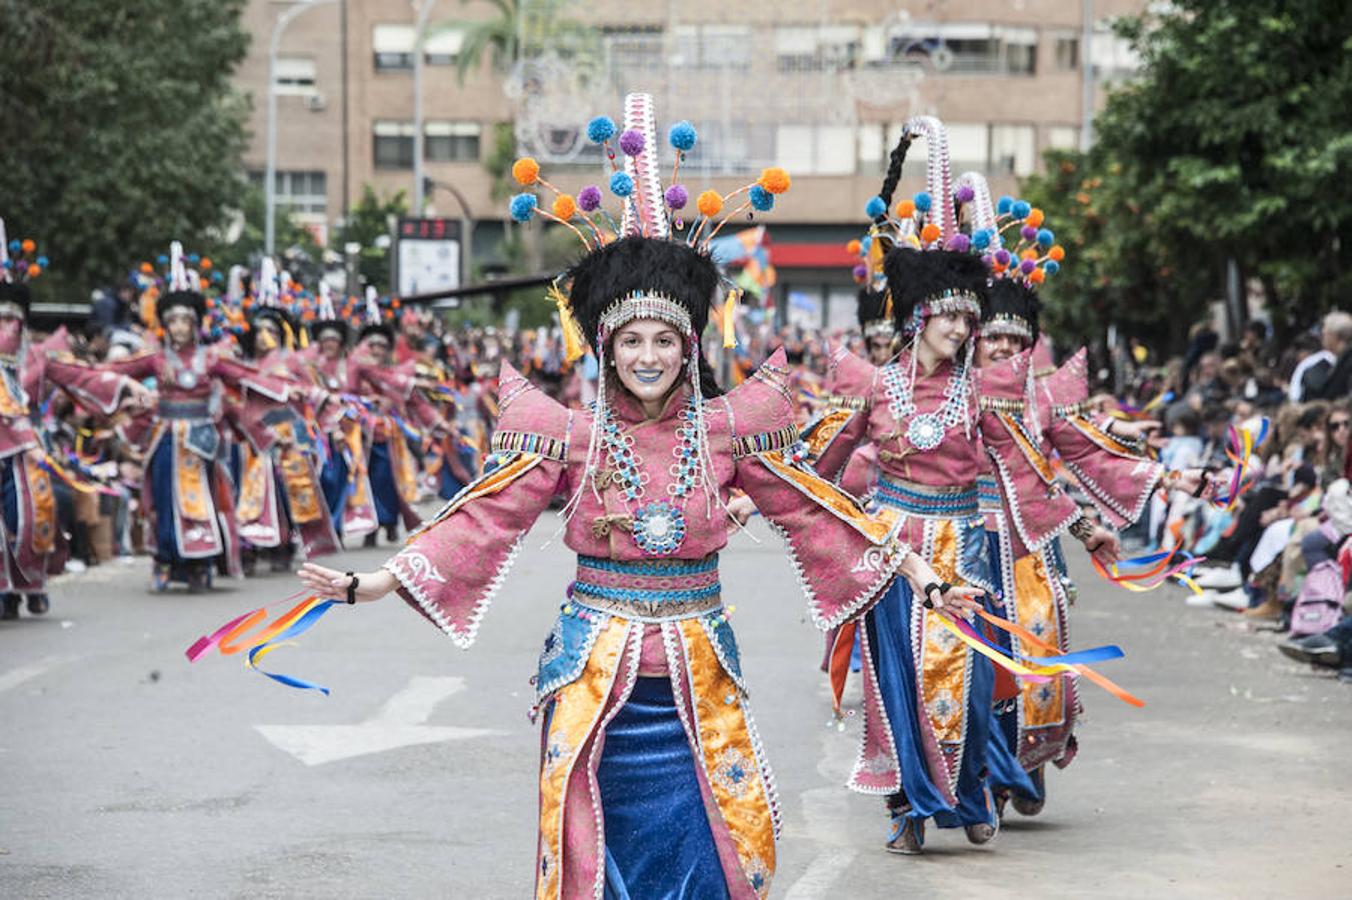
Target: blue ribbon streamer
point(295, 629)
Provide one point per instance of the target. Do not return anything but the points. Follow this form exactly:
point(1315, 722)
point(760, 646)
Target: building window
point(442, 142)
point(300, 192)
point(393, 47)
point(294, 75)
point(1112, 56)
point(1063, 137)
point(969, 147)
point(1013, 150)
point(442, 48)
point(712, 46)
point(968, 48)
point(451, 141)
point(816, 149)
point(1067, 53)
point(799, 48)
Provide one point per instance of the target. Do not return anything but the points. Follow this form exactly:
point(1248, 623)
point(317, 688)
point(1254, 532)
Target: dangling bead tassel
point(730, 319)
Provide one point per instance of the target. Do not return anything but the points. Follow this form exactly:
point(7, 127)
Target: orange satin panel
point(728, 756)
point(302, 488)
point(1035, 606)
point(944, 660)
point(1031, 453)
point(878, 527)
point(44, 508)
point(253, 485)
point(826, 430)
point(191, 479)
point(572, 722)
point(1100, 437)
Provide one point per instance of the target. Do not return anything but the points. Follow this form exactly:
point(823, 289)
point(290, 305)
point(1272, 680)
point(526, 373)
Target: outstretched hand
point(331, 584)
point(960, 599)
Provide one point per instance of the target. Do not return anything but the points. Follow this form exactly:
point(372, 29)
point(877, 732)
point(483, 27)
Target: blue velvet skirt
point(658, 842)
point(333, 481)
point(384, 492)
point(1006, 772)
point(889, 628)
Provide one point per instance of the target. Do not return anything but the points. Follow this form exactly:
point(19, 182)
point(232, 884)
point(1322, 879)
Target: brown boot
point(1269, 610)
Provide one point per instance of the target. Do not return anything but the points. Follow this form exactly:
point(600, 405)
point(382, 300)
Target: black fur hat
point(384, 328)
point(189, 299)
point(16, 293)
point(259, 314)
point(1011, 307)
point(637, 265)
point(938, 279)
point(320, 326)
point(871, 306)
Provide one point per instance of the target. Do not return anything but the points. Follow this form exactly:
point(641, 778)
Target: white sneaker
point(1219, 579)
point(1238, 599)
point(1204, 599)
point(75, 566)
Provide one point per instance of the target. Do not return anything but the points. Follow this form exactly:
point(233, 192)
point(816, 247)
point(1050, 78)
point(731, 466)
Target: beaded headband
point(1007, 324)
point(880, 328)
point(645, 306)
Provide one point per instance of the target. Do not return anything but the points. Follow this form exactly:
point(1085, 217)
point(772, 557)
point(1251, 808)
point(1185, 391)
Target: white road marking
point(399, 723)
point(15, 677)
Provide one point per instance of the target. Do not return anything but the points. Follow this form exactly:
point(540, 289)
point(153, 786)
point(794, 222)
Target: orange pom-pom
point(1034, 217)
point(34, 270)
point(564, 206)
point(905, 209)
point(997, 266)
point(526, 170)
point(1028, 254)
point(147, 269)
point(246, 303)
point(211, 303)
point(29, 245)
point(853, 247)
point(394, 303)
point(774, 179)
point(709, 203)
point(930, 233)
point(206, 263)
point(1057, 252)
point(1037, 276)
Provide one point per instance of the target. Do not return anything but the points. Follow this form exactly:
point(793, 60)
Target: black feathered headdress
point(1011, 307)
point(871, 308)
point(932, 282)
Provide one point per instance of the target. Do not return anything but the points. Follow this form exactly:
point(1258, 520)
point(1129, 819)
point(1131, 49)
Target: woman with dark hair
point(652, 780)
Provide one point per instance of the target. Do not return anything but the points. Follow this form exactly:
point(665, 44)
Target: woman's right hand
point(332, 584)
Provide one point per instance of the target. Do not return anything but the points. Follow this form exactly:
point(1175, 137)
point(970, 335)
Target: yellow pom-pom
point(1057, 253)
point(709, 203)
point(34, 270)
point(905, 209)
point(1034, 217)
point(564, 206)
point(930, 233)
point(29, 245)
point(1037, 276)
point(853, 247)
point(774, 179)
point(526, 170)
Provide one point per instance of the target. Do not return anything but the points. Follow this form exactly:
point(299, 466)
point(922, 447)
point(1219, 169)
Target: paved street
point(126, 772)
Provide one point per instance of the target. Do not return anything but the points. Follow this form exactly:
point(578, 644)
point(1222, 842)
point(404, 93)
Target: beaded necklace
point(926, 430)
point(658, 526)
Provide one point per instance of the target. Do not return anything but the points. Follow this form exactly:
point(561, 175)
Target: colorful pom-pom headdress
point(20, 263)
point(649, 212)
point(376, 316)
point(327, 322)
point(184, 285)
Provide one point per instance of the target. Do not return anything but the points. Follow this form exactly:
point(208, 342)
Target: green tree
point(1233, 143)
point(122, 129)
point(368, 221)
point(530, 23)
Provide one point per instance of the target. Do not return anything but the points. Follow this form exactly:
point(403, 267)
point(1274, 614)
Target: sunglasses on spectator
point(1341, 423)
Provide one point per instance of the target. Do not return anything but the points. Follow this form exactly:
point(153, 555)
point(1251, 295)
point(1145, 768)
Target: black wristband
point(1201, 485)
point(929, 589)
point(352, 588)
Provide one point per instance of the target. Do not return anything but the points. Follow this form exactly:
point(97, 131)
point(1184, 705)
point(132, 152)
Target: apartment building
point(818, 87)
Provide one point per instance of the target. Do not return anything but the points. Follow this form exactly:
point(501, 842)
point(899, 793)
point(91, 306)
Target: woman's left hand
point(961, 599)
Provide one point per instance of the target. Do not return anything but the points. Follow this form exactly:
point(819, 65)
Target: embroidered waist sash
point(184, 409)
point(928, 502)
point(988, 494)
point(649, 590)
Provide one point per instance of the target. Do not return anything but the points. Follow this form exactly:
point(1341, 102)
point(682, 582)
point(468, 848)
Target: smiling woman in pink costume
point(927, 697)
point(653, 782)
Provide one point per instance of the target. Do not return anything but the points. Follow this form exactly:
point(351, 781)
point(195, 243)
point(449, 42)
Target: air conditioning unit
point(316, 102)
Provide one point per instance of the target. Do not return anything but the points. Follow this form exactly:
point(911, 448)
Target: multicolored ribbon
point(282, 630)
point(1240, 444)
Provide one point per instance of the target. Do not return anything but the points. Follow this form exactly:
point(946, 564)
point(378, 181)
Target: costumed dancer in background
point(281, 503)
point(31, 543)
point(187, 492)
point(927, 696)
point(652, 780)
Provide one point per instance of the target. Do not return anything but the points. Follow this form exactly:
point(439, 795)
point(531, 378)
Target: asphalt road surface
point(127, 772)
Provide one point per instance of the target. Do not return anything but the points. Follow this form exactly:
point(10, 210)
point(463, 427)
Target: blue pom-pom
point(923, 201)
point(1021, 209)
point(761, 199)
point(42, 261)
point(194, 258)
point(864, 244)
point(875, 207)
point(217, 276)
point(162, 259)
point(621, 185)
point(1051, 267)
point(1004, 205)
point(523, 207)
point(981, 238)
point(682, 136)
point(600, 129)
point(8, 264)
point(1045, 237)
point(15, 246)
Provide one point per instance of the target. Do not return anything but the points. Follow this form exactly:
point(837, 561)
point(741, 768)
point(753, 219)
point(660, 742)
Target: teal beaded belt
point(988, 494)
point(934, 503)
point(656, 589)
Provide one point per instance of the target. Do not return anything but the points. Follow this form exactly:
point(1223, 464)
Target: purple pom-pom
point(966, 194)
point(1028, 232)
point(1027, 266)
point(631, 143)
point(589, 198)
point(1002, 257)
point(860, 272)
point(959, 243)
point(677, 196)
point(988, 259)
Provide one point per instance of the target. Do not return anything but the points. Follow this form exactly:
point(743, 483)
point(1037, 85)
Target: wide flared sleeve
point(1034, 500)
point(842, 425)
point(98, 390)
point(454, 564)
point(845, 558)
point(247, 377)
point(1115, 474)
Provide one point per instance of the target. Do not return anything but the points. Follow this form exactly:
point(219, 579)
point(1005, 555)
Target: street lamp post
point(424, 9)
point(270, 177)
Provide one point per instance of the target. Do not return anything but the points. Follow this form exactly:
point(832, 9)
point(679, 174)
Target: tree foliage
point(1234, 143)
point(122, 129)
point(368, 221)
